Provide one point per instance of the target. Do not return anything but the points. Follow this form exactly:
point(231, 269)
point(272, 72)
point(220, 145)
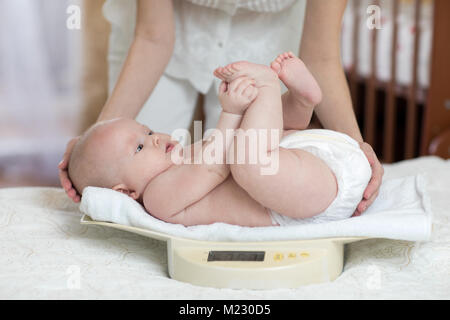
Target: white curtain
point(38, 68)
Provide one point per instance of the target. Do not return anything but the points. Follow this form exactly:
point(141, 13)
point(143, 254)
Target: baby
point(321, 175)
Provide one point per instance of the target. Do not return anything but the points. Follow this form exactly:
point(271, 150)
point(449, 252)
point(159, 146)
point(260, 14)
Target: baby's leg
point(304, 92)
point(265, 112)
point(303, 185)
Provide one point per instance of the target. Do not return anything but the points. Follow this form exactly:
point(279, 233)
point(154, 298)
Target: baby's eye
point(150, 133)
point(139, 148)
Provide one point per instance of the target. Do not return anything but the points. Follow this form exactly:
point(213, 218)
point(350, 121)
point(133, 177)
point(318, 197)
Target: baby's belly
point(228, 203)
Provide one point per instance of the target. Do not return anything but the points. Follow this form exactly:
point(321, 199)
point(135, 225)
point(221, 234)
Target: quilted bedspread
point(45, 253)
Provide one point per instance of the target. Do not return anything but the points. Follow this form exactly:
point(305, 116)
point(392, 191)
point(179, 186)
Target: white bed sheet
point(46, 254)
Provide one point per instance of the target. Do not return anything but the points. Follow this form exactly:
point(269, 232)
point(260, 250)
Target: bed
point(45, 253)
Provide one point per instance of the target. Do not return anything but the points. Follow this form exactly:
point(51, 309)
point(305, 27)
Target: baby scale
point(249, 265)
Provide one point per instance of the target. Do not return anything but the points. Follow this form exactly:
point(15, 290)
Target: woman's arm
point(321, 52)
point(147, 59)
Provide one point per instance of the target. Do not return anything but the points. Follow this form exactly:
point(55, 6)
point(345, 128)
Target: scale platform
point(249, 265)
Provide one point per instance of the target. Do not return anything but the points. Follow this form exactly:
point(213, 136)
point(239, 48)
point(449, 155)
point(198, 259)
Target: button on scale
point(291, 255)
point(278, 257)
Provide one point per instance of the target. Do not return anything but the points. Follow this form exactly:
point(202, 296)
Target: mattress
point(45, 253)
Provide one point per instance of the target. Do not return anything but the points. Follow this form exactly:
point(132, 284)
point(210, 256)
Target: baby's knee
point(243, 174)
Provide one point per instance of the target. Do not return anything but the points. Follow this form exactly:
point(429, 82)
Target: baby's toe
point(219, 73)
point(276, 66)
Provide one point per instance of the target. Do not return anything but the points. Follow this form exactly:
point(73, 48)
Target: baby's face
point(140, 153)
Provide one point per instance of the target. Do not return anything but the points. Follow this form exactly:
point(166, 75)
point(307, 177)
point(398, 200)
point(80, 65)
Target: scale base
point(286, 264)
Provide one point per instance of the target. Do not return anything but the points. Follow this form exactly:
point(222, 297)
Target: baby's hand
point(236, 96)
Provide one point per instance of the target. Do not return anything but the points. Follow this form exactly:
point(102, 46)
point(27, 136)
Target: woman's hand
point(373, 188)
point(63, 167)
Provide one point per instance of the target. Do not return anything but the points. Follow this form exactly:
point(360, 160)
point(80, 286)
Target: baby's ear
point(124, 189)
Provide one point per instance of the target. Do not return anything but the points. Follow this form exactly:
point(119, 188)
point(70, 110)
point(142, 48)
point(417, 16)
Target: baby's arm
point(182, 185)
point(167, 195)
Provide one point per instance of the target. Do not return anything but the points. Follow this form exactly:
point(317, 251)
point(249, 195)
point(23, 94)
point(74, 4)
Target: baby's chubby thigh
point(343, 158)
point(317, 183)
point(299, 184)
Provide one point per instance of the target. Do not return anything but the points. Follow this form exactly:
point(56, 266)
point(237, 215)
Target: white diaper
point(347, 161)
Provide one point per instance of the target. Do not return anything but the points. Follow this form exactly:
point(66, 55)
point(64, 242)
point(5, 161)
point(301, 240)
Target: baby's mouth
point(169, 147)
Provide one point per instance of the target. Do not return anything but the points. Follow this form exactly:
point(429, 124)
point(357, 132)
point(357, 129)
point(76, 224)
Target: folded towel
point(401, 211)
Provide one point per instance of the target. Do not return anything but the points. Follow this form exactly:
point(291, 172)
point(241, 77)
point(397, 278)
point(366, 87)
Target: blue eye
point(139, 148)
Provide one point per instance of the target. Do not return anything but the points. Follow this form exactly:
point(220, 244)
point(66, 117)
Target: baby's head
point(119, 154)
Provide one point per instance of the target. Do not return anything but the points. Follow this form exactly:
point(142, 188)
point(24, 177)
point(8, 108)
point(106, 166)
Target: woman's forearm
point(320, 50)
point(335, 112)
point(140, 73)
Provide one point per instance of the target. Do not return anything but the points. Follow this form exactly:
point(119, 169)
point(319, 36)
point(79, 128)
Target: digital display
point(236, 256)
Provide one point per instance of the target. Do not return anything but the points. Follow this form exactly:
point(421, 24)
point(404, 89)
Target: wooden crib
point(403, 121)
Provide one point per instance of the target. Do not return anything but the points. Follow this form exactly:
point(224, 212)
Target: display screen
point(236, 256)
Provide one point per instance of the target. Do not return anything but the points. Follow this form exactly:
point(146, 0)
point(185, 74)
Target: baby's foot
point(263, 75)
point(297, 78)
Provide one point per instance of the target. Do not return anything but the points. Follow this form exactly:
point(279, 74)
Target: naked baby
point(321, 175)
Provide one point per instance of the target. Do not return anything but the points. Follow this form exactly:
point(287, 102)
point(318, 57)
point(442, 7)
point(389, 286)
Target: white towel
point(401, 211)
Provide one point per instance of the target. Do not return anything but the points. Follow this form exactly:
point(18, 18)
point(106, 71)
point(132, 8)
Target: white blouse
point(212, 33)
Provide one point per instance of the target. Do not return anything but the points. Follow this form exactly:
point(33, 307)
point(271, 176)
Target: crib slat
point(369, 115)
point(411, 118)
point(391, 105)
point(437, 112)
